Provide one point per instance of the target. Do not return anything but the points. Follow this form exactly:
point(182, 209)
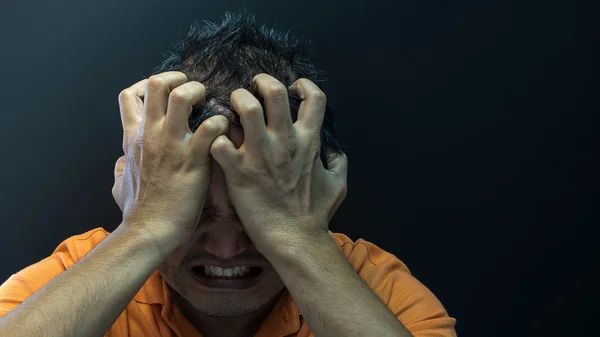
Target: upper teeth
point(227, 272)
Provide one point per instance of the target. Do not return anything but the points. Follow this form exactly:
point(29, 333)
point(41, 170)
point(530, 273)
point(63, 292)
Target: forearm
point(87, 298)
point(331, 296)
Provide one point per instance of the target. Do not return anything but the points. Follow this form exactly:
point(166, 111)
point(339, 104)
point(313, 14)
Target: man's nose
point(222, 232)
point(223, 236)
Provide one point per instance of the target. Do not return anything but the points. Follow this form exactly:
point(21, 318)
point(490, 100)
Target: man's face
point(220, 237)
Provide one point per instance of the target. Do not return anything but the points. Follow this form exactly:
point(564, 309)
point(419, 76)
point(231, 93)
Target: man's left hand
point(276, 181)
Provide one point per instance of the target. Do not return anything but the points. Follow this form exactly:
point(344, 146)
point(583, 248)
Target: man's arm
point(331, 296)
point(86, 299)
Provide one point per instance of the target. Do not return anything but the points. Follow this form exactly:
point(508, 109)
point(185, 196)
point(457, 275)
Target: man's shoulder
point(24, 283)
point(77, 246)
point(92, 236)
point(367, 258)
point(406, 297)
point(70, 251)
point(96, 234)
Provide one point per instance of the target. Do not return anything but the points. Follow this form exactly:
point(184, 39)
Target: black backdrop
point(469, 126)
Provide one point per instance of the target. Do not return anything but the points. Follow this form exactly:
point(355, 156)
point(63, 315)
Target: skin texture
point(283, 199)
point(220, 235)
point(268, 191)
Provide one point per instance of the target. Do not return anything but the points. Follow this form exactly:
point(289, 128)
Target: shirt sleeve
point(417, 307)
point(408, 299)
point(23, 284)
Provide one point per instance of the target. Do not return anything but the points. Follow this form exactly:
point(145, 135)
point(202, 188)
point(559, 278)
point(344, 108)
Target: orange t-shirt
point(152, 313)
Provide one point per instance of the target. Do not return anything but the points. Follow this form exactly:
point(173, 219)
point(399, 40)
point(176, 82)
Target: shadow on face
point(220, 236)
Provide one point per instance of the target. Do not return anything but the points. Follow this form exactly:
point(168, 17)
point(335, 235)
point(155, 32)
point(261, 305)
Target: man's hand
point(276, 180)
point(161, 182)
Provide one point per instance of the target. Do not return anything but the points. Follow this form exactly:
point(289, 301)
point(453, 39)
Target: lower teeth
point(249, 273)
point(224, 276)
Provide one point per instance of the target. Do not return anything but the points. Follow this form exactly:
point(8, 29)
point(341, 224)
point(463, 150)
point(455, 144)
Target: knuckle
point(156, 81)
point(276, 90)
point(210, 126)
point(251, 108)
point(124, 94)
point(179, 96)
point(318, 96)
point(219, 144)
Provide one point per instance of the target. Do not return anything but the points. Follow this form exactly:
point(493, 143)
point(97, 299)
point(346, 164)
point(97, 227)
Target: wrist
point(161, 242)
point(286, 248)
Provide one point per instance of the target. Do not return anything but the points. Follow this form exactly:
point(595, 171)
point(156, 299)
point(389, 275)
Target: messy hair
point(226, 56)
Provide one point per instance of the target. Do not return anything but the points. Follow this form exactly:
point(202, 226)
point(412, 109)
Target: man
point(230, 176)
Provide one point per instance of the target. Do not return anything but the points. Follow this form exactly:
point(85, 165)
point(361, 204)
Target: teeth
point(227, 272)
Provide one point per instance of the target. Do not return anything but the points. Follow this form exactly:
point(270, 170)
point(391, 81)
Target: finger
point(119, 167)
point(130, 106)
point(251, 117)
point(205, 135)
point(312, 108)
point(337, 164)
point(158, 89)
point(181, 102)
point(224, 152)
point(277, 103)
point(116, 189)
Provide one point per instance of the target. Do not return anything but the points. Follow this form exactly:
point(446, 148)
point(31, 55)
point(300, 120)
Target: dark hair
point(227, 56)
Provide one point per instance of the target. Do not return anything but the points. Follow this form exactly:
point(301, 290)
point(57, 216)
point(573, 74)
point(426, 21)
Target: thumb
point(337, 163)
point(119, 167)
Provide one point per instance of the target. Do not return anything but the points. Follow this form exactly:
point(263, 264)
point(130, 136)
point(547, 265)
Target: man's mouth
point(239, 277)
point(239, 271)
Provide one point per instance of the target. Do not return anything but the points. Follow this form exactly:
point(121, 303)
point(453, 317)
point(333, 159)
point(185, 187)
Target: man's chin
point(226, 303)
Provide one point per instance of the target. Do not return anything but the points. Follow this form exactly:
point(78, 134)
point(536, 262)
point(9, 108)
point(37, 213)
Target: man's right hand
point(162, 181)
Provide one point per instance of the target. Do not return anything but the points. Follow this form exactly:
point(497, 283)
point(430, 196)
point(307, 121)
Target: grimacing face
point(220, 236)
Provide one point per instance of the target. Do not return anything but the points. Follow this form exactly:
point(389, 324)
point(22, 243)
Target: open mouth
point(208, 272)
point(238, 278)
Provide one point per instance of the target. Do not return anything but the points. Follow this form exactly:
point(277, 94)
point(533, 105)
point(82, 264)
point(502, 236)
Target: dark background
point(469, 126)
